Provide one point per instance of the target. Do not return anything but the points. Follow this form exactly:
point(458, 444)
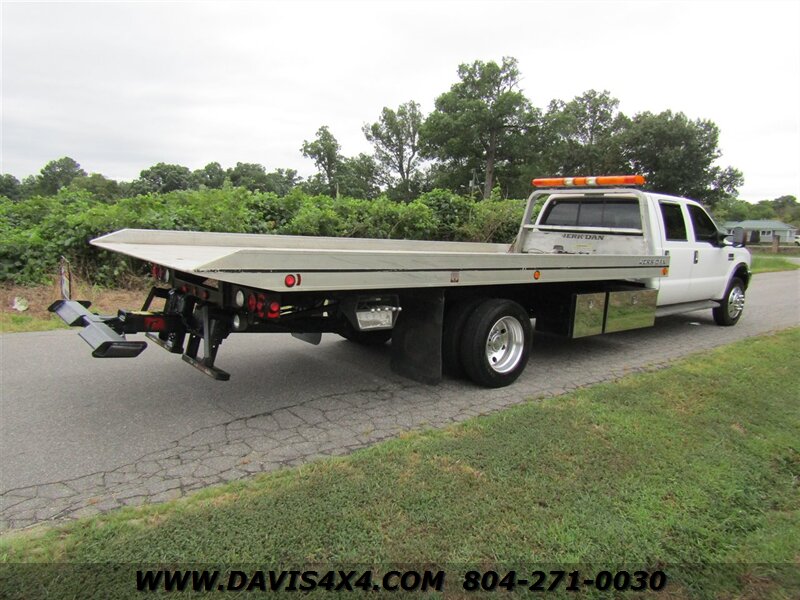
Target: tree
point(98, 185)
point(212, 176)
point(29, 187)
point(57, 174)
point(324, 151)
point(581, 135)
point(9, 187)
point(162, 178)
point(281, 181)
point(479, 123)
point(732, 209)
point(248, 175)
point(396, 139)
point(764, 209)
point(358, 177)
point(677, 156)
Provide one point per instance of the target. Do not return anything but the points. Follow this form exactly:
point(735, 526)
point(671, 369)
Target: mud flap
point(417, 336)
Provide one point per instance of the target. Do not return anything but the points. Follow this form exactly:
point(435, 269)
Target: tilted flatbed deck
point(263, 261)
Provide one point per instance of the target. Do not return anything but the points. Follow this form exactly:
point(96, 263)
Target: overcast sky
point(122, 86)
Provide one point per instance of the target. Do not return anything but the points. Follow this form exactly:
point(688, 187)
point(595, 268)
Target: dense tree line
point(483, 137)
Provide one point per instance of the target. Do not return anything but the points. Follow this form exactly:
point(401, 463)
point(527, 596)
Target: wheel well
point(743, 273)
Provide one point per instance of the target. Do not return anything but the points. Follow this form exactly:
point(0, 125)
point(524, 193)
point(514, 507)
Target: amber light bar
point(603, 180)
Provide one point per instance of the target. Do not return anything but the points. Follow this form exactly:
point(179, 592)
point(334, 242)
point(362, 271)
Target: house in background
point(764, 231)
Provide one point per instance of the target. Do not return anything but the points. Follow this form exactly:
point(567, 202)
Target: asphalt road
point(80, 435)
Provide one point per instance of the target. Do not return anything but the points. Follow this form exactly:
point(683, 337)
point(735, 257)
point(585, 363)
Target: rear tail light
point(258, 304)
point(160, 273)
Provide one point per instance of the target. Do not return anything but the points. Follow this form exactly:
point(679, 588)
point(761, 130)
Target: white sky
point(122, 86)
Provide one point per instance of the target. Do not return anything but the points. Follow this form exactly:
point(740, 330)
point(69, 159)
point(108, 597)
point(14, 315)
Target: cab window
point(674, 224)
point(704, 228)
point(615, 213)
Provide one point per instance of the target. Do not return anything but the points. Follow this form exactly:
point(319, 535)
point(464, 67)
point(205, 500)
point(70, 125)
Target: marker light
point(290, 280)
point(603, 180)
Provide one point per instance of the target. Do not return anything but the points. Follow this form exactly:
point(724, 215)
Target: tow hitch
point(205, 327)
point(100, 332)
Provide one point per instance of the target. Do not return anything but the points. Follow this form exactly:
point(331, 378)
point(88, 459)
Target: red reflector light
point(155, 324)
point(290, 280)
point(251, 302)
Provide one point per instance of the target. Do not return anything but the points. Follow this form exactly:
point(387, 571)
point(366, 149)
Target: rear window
point(614, 213)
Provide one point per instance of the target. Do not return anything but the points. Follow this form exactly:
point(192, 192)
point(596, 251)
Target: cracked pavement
point(81, 436)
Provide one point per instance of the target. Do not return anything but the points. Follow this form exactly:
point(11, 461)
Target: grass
point(697, 464)
point(38, 298)
point(22, 323)
point(770, 264)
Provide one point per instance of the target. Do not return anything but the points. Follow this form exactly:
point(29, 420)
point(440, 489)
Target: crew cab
point(601, 256)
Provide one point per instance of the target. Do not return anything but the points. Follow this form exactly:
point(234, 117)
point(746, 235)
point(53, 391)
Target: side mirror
point(738, 237)
point(718, 239)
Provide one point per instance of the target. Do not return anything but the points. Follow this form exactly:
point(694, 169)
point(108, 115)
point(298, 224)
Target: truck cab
point(706, 266)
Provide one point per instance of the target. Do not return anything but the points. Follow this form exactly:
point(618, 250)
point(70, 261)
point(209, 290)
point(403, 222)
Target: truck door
point(676, 288)
point(710, 270)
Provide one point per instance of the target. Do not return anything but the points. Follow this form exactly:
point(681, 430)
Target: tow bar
point(203, 325)
point(100, 332)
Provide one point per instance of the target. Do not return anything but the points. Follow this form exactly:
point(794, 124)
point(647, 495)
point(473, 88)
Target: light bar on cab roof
point(603, 180)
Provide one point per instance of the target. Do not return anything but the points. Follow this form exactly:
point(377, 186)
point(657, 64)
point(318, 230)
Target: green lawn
point(22, 323)
point(769, 264)
point(697, 464)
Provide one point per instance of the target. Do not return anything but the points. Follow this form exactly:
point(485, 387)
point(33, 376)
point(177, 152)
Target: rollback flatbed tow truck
point(602, 256)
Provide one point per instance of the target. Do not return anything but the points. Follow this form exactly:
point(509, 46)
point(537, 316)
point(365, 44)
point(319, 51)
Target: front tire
point(495, 344)
point(730, 309)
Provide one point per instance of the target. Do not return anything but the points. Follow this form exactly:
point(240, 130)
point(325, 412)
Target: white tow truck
point(603, 256)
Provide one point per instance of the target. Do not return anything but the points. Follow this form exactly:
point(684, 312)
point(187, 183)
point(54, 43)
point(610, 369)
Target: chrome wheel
point(735, 302)
point(505, 344)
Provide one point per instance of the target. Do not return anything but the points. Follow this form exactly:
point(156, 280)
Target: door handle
point(696, 256)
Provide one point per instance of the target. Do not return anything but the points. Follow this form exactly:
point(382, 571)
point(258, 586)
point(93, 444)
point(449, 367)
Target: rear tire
point(732, 305)
point(495, 343)
point(454, 321)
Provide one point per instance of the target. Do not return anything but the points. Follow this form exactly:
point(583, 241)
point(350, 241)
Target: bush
point(493, 221)
point(36, 232)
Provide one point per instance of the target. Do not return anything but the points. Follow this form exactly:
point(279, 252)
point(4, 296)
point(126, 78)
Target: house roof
point(760, 224)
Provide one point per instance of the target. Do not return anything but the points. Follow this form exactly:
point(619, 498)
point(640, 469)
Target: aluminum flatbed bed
point(263, 261)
